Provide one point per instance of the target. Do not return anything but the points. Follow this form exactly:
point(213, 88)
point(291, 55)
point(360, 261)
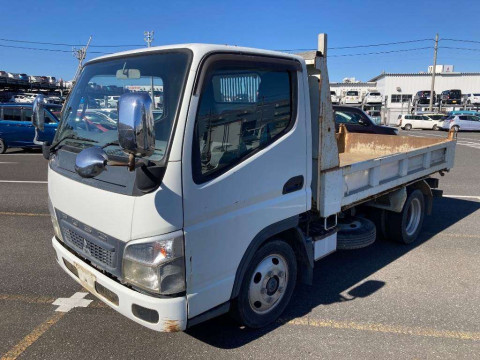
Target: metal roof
point(376, 78)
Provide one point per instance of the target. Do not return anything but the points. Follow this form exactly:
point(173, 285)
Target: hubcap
point(414, 214)
point(268, 284)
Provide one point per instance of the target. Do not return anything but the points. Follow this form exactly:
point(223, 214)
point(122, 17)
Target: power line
point(458, 48)
point(382, 52)
point(65, 44)
point(51, 50)
point(381, 44)
point(461, 40)
point(364, 46)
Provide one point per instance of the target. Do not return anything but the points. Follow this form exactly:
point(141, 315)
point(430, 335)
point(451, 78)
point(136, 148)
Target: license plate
point(86, 277)
point(454, 101)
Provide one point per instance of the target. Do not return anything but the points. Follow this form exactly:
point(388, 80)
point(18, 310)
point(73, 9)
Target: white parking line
point(22, 182)
point(76, 300)
point(463, 196)
point(8, 162)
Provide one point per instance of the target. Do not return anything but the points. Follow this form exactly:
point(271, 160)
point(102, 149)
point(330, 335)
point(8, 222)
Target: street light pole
point(148, 37)
point(434, 70)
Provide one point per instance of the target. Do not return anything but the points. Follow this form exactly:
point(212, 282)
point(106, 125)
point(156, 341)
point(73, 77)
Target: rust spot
point(171, 326)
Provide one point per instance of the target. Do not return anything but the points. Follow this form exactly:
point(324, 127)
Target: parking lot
point(385, 301)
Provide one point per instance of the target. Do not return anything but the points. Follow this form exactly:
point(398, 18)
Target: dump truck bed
point(370, 165)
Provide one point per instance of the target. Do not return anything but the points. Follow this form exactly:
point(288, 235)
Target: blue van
point(16, 129)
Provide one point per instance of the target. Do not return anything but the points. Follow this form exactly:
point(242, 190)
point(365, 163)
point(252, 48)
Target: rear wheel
point(405, 226)
point(435, 127)
point(267, 285)
point(3, 146)
point(408, 127)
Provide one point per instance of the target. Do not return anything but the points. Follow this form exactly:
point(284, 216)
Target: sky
point(275, 25)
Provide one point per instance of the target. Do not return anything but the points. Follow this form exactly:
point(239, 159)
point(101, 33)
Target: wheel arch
point(423, 186)
point(288, 231)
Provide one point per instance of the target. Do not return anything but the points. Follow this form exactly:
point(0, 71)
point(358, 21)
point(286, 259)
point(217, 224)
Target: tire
point(408, 127)
point(405, 226)
point(435, 127)
point(456, 128)
point(267, 286)
point(355, 233)
point(3, 146)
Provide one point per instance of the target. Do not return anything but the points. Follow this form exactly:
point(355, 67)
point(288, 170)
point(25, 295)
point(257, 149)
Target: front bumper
point(172, 312)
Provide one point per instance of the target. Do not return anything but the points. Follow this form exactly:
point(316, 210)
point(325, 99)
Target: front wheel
point(435, 127)
point(267, 285)
point(3, 146)
point(455, 128)
point(405, 226)
point(408, 127)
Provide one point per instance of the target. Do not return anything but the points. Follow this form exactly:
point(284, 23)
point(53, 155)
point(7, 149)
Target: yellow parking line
point(28, 340)
point(383, 328)
point(8, 213)
point(28, 298)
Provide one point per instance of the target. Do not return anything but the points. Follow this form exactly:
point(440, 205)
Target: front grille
point(89, 248)
point(100, 249)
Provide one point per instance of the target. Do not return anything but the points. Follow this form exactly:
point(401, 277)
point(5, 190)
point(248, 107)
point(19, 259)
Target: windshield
point(91, 112)
point(374, 94)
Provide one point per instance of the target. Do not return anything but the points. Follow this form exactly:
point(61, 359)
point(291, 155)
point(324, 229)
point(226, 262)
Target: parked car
point(356, 120)
point(52, 81)
point(21, 98)
point(462, 122)
point(3, 76)
point(11, 79)
point(334, 97)
point(34, 79)
point(23, 79)
point(423, 97)
point(372, 97)
point(408, 122)
point(16, 129)
point(451, 97)
point(472, 99)
point(351, 97)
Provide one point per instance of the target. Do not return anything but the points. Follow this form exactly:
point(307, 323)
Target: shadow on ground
point(337, 273)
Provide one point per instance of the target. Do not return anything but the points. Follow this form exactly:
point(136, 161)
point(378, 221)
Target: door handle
point(293, 184)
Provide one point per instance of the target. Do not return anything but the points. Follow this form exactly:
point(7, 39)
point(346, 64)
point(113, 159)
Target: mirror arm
point(130, 164)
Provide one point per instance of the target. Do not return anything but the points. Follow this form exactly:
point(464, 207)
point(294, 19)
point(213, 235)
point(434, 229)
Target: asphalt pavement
point(384, 301)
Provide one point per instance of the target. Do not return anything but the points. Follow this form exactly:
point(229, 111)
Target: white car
point(462, 122)
point(21, 99)
point(334, 97)
point(372, 97)
point(351, 97)
point(409, 122)
point(472, 99)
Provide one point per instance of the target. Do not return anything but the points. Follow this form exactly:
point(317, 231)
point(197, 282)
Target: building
point(398, 88)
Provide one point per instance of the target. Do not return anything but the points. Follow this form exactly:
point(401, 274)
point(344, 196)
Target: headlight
point(53, 217)
point(157, 266)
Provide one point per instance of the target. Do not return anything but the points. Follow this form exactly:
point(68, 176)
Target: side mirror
point(38, 112)
point(136, 131)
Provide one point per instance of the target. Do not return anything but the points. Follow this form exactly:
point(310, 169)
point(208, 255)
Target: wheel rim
point(268, 284)
point(2, 146)
point(414, 214)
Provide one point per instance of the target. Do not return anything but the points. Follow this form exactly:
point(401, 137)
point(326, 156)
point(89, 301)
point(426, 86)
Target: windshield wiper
point(53, 147)
point(111, 144)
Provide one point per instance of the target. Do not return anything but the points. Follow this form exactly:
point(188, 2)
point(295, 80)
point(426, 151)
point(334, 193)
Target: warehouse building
point(400, 88)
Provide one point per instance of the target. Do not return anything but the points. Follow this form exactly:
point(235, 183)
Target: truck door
point(245, 143)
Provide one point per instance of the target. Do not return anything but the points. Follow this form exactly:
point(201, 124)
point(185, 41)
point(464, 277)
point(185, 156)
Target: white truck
point(223, 200)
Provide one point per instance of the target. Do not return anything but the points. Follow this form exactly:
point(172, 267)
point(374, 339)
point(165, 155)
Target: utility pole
point(80, 54)
point(148, 37)
point(434, 70)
